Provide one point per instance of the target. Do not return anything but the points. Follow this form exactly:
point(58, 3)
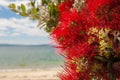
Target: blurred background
point(22, 43)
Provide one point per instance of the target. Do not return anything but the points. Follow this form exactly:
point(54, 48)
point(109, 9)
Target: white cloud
point(2, 33)
point(14, 28)
point(5, 3)
point(22, 26)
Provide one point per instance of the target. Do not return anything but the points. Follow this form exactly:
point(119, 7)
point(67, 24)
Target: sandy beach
point(29, 74)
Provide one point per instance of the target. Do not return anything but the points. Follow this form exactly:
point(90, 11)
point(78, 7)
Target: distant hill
point(23, 45)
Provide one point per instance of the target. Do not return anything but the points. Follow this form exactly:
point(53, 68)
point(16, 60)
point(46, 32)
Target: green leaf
point(34, 11)
point(15, 10)
point(51, 9)
point(59, 1)
point(45, 2)
point(32, 3)
point(23, 8)
point(22, 14)
point(13, 6)
point(101, 58)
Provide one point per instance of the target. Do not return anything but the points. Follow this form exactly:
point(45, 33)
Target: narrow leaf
point(13, 6)
point(34, 11)
point(23, 8)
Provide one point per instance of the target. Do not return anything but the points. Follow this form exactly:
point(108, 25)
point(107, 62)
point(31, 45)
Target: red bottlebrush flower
point(80, 50)
point(115, 15)
point(70, 73)
point(65, 6)
point(72, 36)
point(69, 17)
point(93, 5)
point(108, 14)
point(68, 32)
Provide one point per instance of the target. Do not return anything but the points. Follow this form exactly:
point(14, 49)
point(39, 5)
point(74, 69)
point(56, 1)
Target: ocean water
point(29, 57)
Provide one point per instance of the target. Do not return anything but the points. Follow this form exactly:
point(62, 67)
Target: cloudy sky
point(15, 29)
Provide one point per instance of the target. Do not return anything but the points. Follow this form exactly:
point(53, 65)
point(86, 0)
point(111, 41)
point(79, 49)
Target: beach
point(29, 63)
point(29, 74)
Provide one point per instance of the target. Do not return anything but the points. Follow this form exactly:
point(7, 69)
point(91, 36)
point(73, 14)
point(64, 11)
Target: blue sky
point(15, 29)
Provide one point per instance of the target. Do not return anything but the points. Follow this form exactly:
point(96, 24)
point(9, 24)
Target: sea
point(40, 56)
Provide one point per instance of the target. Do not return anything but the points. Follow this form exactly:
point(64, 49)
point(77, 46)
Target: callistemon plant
point(88, 34)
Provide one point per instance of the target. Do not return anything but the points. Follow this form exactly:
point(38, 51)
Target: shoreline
point(30, 74)
point(29, 68)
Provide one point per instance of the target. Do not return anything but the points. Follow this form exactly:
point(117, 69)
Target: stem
point(112, 75)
